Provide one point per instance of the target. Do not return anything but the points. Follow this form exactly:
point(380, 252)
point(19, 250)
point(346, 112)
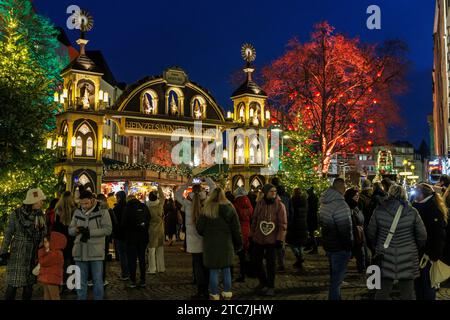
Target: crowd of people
point(380, 226)
point(374, 224)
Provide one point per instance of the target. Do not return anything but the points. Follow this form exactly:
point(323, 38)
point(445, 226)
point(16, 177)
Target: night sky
point(140, 38)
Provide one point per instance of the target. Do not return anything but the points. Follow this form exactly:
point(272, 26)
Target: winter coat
point(313, 210)
point(134, 214)
point(99, 224)
point(50, 218)
point(156, 228)
point(52, 262)
point(119, 212)
point(435, 226)
point(194, 242)
point(297, 229)
point(170, 217)
point(244, 210)
point(221, 237)
point(269, 213)
point(22, 240)
point(366, 205)
point(336, 222)
point(401, 259)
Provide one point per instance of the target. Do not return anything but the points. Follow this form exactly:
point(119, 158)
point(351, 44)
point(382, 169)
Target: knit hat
point(366, 184)
point(34, 196)
point(239, 192)
point(267, 188)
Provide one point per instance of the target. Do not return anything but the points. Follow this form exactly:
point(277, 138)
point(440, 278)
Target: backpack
point(141, 217)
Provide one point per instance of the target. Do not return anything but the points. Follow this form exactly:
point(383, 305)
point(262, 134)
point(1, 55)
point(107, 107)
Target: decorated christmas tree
point(300, 164)
point(29, 75)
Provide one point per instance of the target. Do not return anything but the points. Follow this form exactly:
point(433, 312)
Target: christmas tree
point(300, 164)
point(29, 75)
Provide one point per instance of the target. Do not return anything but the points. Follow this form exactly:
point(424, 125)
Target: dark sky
point(140, 38)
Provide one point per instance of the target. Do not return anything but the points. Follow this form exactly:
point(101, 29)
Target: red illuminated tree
point(343, 88)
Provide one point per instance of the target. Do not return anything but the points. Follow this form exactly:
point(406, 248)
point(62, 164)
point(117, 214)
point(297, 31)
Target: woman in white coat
point(194, 242)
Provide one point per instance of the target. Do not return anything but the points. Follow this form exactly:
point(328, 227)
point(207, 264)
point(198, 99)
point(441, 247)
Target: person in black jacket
point(312, 219)
point(351, 197)
point(433, 212)
point(297, 230)
point(135, 223)
point(119, 234)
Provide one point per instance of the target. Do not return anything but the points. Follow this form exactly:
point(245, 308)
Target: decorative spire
point(86, 23)
point(249, 55)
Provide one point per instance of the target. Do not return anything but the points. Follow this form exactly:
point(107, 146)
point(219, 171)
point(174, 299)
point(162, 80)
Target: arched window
point(198, 107)
point(174, 103)
point(86, 94)
point(240, 182)
point(79, 147)
point(89, 147)
point(239, 157)
point(241, 112)
point(255, 152)
point(149, 102)
point(256, 183)
point(255, 113)
point(85, 141)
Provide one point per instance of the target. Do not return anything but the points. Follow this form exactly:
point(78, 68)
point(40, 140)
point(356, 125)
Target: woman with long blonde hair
point(193, 205)
point(221, 231)
point(434, 214)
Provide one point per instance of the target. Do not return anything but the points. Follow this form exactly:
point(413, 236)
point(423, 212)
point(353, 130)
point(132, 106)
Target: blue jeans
point(338, 269)
point(214, 280)
point(422, 285)
point(96, 268)
point(122, 252)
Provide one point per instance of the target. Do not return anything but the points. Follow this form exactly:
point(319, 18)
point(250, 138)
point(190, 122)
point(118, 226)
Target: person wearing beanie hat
point(268, 232)
point(25, 231)
point(244, 210)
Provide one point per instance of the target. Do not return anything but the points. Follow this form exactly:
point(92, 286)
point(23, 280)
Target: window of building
point(89, 147)
point(79, 146)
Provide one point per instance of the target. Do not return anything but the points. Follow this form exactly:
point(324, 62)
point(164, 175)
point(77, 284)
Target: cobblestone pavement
point(176, 282)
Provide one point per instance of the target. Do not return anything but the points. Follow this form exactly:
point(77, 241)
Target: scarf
point(31, 221)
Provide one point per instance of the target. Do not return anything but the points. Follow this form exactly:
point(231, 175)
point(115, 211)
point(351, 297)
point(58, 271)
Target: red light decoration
point(290, 127)
point(379, 74)
point(317, 94)
point(273, 121)
point(370, 142)
point(353, 131)
point(375, 101)
point(371, 130)
point(370, 90)
point(371, 121)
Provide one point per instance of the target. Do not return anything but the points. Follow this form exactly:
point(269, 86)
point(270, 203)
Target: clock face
point(248, 52)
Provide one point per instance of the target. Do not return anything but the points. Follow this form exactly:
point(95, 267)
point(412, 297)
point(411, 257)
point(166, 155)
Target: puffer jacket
point(52, 262)
point(401, 259)
point(99, 224)
point(336, 222)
